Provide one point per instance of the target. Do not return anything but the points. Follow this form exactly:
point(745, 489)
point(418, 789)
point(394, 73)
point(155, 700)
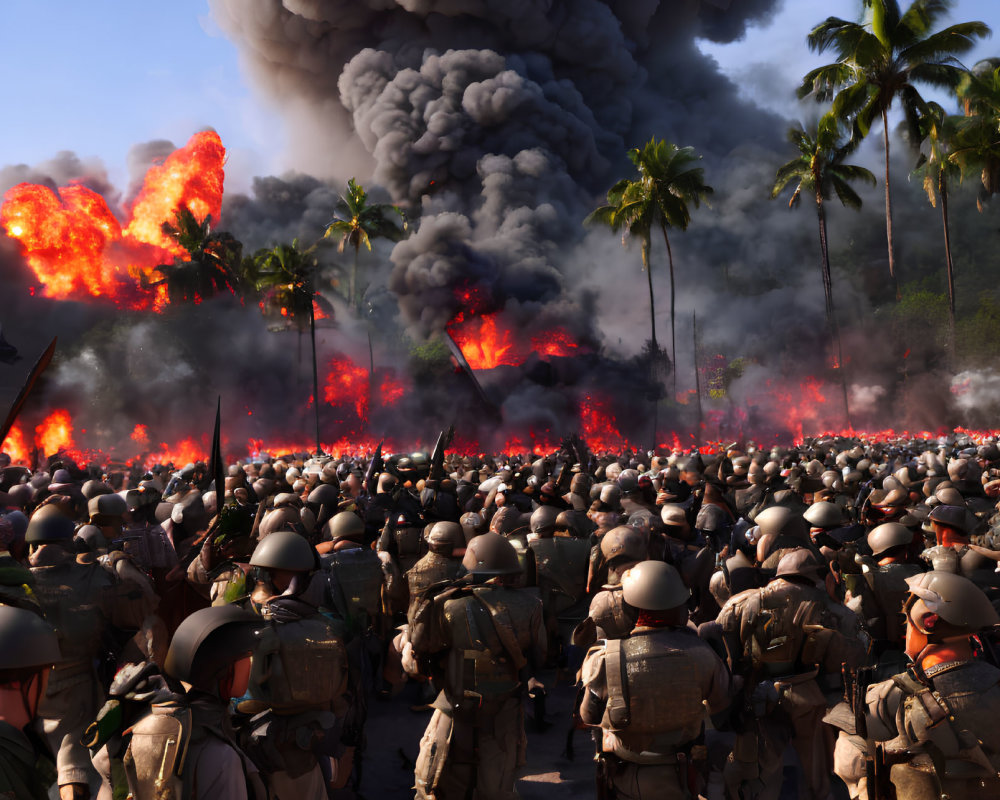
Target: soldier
point(609, 617)
point(483, 643)
point(76, 600)
point(184, 748)
point(299, 670)
point(781, 530)
point(648, 693)
point(878, 594)
point(938, 719)
point(788, 641)
point(443, 562)
point(28, 649)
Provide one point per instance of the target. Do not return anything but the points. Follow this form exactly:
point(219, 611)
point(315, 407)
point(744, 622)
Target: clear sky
point(96, 77)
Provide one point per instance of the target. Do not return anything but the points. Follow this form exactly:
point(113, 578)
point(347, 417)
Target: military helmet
point(949, 496)
point(445, 537)
point(956, 517)
point(472, 523)
point(207, 642)
point(279, 519)
point(625, 541)
point(543, 520)
point(781, 521)
point(285, 550)
point(802, 562)
point(507, 521)
point(93, 488)
point(48, 524)
point(628, 481)
point(956, 599)
point(326, 494)
point(611, 494)
point(27, 642)
point(654, 586)
point(824, 515)
point(91, 536)
point(491, 554)
point(673, 515)
point(109, 507)
point(568, 520)
point(344, 525)
point(888, 535)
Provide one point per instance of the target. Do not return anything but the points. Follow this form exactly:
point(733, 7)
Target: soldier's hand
point(535, 686)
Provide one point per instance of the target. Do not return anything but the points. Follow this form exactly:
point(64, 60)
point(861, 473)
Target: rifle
point(875, 772)
point(29, 384)
point(437, 457)
point(374, 468)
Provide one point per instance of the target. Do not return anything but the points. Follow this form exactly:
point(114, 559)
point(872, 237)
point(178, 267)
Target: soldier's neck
point(935, 654)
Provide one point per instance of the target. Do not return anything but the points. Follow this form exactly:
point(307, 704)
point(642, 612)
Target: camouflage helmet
point(955, 599)
point(47, 525)
point(543, 520)
point(888, 535)
point(285, 550)
point(802, 562)
point(207, 642)
point(445, 538)
point(625, 541)
point(344, 525)
point(654, 586)
point(491, 554)
point(27, 643)
point(781, 521)
point(824, 515)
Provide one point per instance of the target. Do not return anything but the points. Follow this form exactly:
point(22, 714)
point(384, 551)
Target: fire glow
point(486, 343)
point(79, 250)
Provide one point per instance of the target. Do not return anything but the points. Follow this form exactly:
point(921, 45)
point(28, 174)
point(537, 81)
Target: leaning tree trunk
point(888, 205)
point(353, 303)
point(673, 296)
point(833, 329)
point(312, 333)
point(652, 307)
point(950, 267)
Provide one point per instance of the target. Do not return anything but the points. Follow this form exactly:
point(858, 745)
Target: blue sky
point(97, 77)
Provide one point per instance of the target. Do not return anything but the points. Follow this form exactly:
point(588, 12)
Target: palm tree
point(357, 222)
point(669, 177)
point(668, 182)
point(820, 170)
point(937, 168)
point(880, 60)
point(286, 276)
point(977, 134)
point(213, 264)
point(629, 211)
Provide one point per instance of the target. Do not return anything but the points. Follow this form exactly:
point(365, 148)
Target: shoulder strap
point(504, 627)
point(619, 714)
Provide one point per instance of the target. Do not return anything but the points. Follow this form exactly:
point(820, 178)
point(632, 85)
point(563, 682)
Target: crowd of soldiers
point(817, 620)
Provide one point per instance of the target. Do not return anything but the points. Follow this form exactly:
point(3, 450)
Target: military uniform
point(484, 643)
point(648, 693)
point(793, 640)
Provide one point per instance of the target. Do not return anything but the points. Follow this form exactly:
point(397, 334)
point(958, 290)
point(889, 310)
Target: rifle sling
point(504, 628)
point(618, 700)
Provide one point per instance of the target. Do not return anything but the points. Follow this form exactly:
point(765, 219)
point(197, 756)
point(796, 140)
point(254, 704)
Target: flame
point(140, 435)
point(554, 343)
point(186, 451)
point(79, 250)
point(346, 386)
point(15, 446)
point(483, 346)
point(390, 390)
point(55, 432)
point(600, 428)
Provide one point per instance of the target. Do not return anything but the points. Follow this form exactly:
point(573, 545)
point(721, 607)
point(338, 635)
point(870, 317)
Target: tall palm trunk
point(353, 303)
point(950, 267)
point(888, 204)
point(652, 307)
point(312, 334)
point(833, 329)
point(673, 297)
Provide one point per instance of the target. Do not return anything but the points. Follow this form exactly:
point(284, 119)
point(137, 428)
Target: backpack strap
point(618, 712)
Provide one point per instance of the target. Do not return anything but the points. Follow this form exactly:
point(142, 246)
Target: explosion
point(78, 249)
